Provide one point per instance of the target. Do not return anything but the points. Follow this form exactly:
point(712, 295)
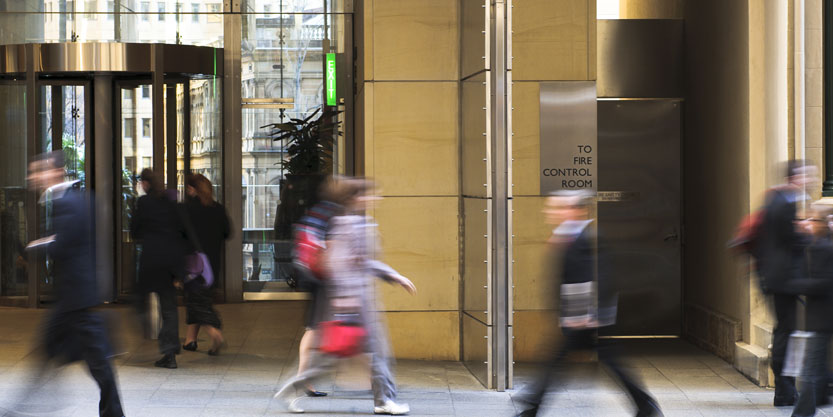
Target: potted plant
point(309, 159)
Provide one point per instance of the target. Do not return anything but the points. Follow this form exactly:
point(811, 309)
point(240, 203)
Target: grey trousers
point(381, 376)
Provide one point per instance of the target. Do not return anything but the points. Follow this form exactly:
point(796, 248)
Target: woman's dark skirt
point(199, 307)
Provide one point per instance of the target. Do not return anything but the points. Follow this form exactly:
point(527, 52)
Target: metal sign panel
point(331, 79)
point(568, 136)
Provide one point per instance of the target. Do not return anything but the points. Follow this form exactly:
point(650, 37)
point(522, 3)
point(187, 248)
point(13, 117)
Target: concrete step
point(753, 362)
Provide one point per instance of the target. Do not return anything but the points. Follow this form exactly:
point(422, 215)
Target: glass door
point(134, 147)
point(14, 261)
point(63, 125)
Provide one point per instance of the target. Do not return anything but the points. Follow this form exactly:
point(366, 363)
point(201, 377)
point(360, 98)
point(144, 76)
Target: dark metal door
point(640, 211)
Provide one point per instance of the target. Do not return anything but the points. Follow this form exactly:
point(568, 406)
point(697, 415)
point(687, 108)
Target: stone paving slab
point(262, 352)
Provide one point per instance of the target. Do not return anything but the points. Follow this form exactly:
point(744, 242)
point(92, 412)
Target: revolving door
point(114, 110)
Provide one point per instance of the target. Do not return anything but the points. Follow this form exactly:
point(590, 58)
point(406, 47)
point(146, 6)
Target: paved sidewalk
point(262, 352)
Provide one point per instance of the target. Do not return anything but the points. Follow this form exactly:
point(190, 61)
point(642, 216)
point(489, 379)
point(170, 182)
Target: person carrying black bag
point(157, 226)
point(780, 260)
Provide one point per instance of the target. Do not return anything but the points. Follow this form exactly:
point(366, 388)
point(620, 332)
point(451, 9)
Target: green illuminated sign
point(331, 79)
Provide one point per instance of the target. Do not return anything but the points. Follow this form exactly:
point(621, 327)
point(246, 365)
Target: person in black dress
point(211, 225)
point(157, 226)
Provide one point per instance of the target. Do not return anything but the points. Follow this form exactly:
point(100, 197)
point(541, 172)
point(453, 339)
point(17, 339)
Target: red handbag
point(341, 339)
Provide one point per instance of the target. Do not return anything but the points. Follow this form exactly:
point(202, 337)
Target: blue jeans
point(813, 381)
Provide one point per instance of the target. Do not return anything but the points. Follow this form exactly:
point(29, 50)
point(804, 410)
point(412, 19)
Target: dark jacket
point(157, 226)
point(584, 261)
point(212, 227)
point(72, 251)
point(781, 248)
point(817, 286)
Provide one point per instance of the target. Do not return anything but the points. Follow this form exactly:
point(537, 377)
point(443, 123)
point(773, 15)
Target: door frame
point(41, 81)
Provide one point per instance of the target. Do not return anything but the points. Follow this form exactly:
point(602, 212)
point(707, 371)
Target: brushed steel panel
point(568, 121)
point(113, 57)
point(475, 135)
point(12, 59)
point(476, 256)
point(476, 349)
point(640, 58)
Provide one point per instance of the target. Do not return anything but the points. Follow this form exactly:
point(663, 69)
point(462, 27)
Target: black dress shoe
point(649, 410)
point(314, 393)
point(530, 412)
point(167, 361)
point(190, 347)
point(783, 401)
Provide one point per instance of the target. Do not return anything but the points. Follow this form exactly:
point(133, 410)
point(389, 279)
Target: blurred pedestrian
point(211, 226)
point(587, 301)
point(157, 226)
point(780, 260)
point(818, 287)
point(309, 240)
point(73, 330)
point(350, 269)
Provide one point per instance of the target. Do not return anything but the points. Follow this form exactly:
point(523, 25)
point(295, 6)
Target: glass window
point(146, 128)
point(14, 261)
point(70, 10)
point(147, 162)
point(271, 69)
point(145, 11)
point(145, 91)
point(195, 8)
point(111, 9)
point(129, 127)
point(160, 7)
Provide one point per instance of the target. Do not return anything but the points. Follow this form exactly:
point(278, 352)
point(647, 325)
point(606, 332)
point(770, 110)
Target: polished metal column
point(157, 58)
point(170, 135)
point(104, 175)
point(31, 151)
point(501, 197)
point(232, 149)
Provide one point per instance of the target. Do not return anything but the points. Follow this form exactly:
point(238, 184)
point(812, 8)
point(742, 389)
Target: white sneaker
point(293, 406)
point(392, 408)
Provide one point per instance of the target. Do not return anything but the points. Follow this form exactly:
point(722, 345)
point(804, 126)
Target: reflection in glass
point(206, 131)
point(281, 57)
point(136, 154)
point(14, 262)
point(62, 117)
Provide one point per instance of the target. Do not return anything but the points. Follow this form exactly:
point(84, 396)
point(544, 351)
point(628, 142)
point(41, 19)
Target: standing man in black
point(780, 259)
point(587, 301)
point(73, 330)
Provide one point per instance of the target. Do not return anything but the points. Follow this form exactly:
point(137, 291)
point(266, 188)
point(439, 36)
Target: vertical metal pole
point(158, 100)
point(170, 139)
point(232, 149)
point(117, 20)
point(186, 126)
point(499, 200)
point(105, 176)
point(57, 116)
point(31, 150)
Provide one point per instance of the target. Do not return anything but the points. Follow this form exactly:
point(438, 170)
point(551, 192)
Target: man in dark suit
point(587, 300)
point(73, 331)
point(780, 259)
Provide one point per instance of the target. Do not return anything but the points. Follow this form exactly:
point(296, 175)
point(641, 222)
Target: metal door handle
point(672, 236)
